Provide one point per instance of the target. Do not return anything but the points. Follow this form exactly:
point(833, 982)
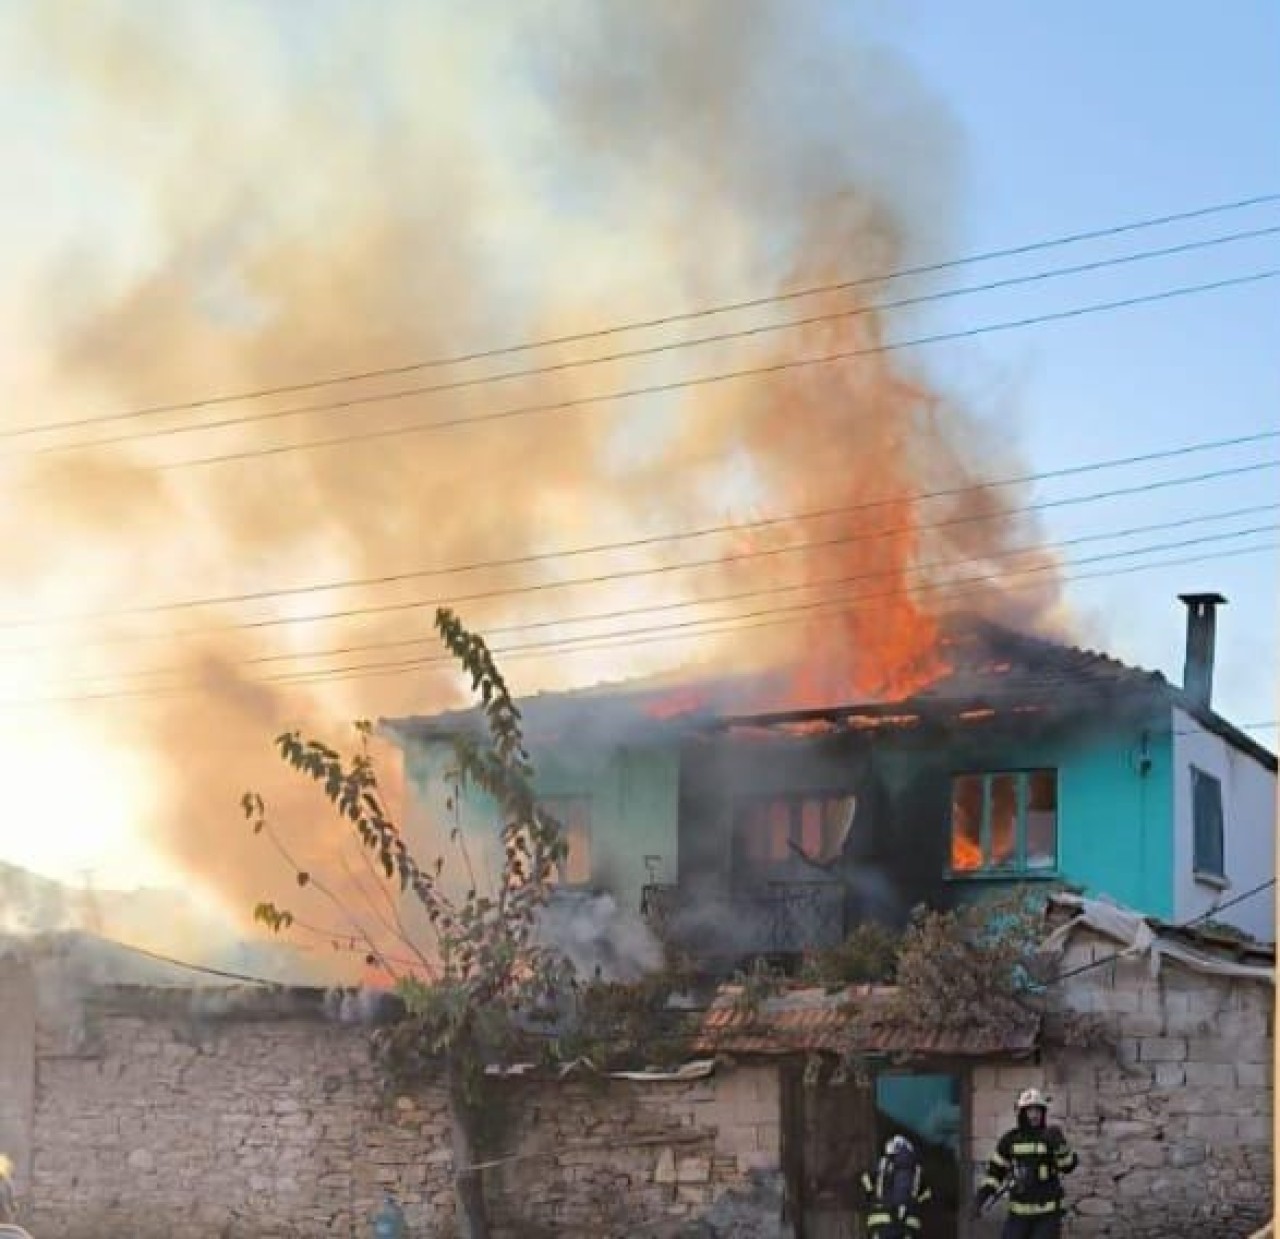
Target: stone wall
point(163, 1120)
point(17, 1062)
point(1172, 1120)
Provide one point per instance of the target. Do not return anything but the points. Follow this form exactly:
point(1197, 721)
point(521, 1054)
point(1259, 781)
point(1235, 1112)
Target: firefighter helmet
point(1030, 1098)
point(899, 1146)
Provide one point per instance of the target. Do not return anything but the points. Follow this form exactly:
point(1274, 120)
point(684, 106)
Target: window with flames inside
point(1004, 822)
point(771, 832)
point(574, 815)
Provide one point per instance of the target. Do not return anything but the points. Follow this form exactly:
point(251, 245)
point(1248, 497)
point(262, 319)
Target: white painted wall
point(1249, 828)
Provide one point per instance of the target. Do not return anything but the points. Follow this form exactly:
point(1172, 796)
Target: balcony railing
point(775, 918)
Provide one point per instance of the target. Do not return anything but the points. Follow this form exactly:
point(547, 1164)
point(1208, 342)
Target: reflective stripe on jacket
point(882, 1213)
point(1032, 1161)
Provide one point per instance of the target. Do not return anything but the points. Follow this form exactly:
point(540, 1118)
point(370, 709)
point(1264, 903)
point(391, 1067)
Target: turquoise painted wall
point(634, 795)
point(1115, 823)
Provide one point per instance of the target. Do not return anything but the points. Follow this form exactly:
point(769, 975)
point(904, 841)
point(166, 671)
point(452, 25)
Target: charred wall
point(1113, 828)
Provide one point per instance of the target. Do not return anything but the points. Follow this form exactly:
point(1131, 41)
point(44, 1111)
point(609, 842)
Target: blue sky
point(1078, 116)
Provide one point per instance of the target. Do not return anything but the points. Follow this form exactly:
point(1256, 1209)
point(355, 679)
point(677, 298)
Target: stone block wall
point(17, 1063)
point(175, 1123)
point(1171, 1117)
point(593, 1158)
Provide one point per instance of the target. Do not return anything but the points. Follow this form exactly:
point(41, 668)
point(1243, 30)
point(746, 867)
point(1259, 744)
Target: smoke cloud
point(265, 196)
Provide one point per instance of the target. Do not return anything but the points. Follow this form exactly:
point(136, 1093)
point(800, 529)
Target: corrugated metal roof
point(819, 1021)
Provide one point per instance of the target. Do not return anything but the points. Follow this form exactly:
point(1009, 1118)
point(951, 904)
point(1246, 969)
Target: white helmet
point(1031, 1098)
point(899, 1146)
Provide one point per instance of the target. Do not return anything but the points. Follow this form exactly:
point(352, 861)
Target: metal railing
point(774, 918)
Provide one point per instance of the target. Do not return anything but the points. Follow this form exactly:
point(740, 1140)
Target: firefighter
point(1030, 1160)
point(895, 1192)
point(8, 1202)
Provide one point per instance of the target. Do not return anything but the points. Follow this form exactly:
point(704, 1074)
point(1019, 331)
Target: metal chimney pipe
point(1197, 672)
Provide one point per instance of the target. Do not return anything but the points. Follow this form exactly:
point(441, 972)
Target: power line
point(542, 370)
point(655, 389)
point(188, 965)
point(1010, 553)
point(741, 595)
point(944, 587)
point(665, 319)
point(1265, 724)
point(706, 531)
point(1183, 927)
point(539, 649)
point(726, 625)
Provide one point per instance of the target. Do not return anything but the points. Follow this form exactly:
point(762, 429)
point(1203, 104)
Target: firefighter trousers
point(1042, 1226)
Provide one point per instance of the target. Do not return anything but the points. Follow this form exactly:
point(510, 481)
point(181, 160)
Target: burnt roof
point(663, 702)
point(996, 670)
point(993, 670)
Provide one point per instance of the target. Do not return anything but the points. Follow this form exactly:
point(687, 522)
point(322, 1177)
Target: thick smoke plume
point(264, 196)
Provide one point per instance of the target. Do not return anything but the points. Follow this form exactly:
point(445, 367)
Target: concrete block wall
point(1173, 1120)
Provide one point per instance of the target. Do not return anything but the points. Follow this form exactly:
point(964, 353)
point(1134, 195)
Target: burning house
point(741, 832)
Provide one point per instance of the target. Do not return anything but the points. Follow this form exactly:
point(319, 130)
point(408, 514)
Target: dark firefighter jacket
point(887, 1208)
point(1033, 1161)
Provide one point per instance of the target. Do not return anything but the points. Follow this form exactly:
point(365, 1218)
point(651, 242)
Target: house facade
point(748, 832)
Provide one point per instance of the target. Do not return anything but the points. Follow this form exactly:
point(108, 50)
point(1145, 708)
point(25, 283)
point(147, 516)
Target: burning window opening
point(574, 815)
point(770, 832)
point(1005, 822)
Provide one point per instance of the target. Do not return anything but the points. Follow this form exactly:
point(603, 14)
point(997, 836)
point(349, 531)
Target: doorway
point(834, 1128)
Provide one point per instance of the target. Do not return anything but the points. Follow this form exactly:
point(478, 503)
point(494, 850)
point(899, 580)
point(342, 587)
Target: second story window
point(1208, 852)
point(574, 815)
point(1005, 822)
point(771, 831)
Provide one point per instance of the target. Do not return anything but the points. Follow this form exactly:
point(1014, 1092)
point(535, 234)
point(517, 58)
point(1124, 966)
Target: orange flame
point(677, 702)
point(846, 439)
point(966, 856)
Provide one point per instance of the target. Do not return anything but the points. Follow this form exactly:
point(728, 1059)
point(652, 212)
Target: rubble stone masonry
point(175, 1115)
point(168, 1124)
point(1172, 1120)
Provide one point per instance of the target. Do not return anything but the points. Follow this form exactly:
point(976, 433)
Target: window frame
point(550, 804)
point(746, 862)
point(1208, 875)
point(1019, 869)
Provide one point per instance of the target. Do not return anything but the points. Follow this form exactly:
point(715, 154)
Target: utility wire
point(728, 625)
point(944, 588)
point(1114, 957)
point(189, 966)
point(771, 590)
point(705, 531)
point(1183, 927)
point(654, 389)
point(542, 370)
point(661, 320)
point(671, 631)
